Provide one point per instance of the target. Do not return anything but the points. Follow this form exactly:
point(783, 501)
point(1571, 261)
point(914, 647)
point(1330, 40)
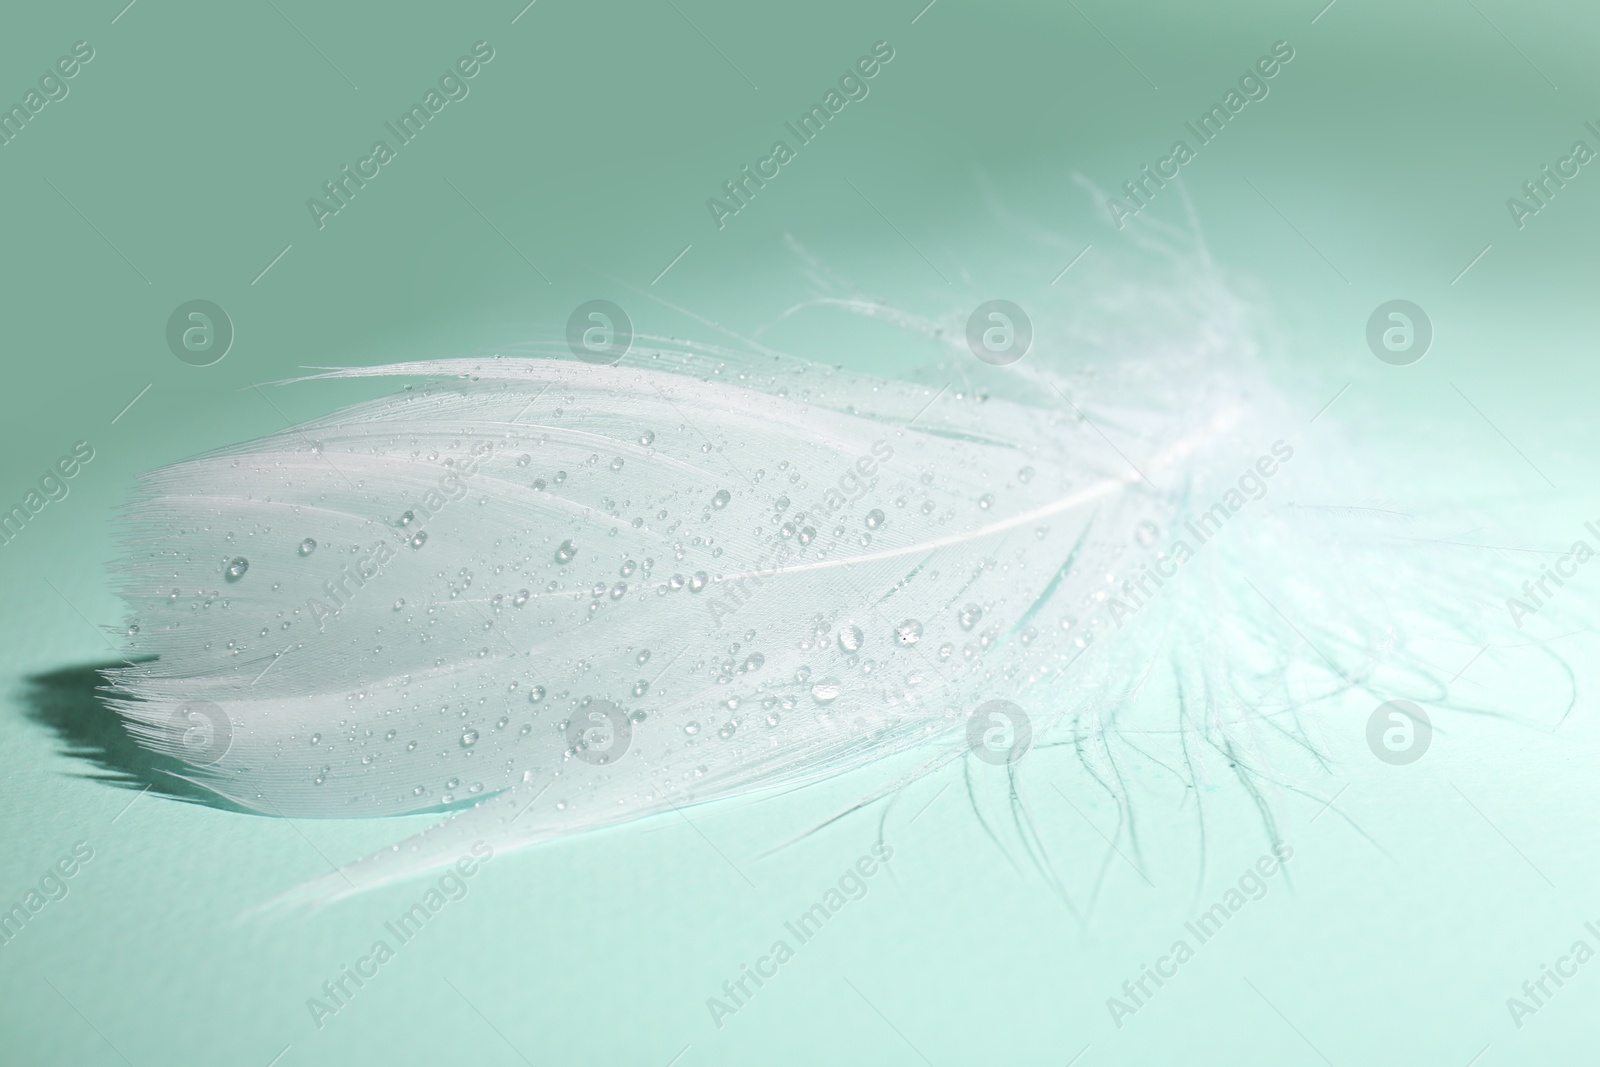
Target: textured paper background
point(177, 168)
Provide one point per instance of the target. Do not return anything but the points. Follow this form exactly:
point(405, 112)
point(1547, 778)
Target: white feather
point(814, 504)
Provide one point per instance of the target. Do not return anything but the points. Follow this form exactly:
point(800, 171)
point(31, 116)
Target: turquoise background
point(178, 167)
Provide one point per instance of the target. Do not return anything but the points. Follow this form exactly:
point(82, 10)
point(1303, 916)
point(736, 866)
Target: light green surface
point(178, 166)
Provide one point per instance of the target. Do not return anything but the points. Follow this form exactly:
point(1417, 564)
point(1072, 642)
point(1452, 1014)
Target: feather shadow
point(70, 702)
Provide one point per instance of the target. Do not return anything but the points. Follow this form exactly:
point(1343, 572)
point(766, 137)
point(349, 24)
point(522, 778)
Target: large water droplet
point(643, 657)
point(236, 568)
point(851, 637)
point(698, 582)
point(720, 500)
point(469, 739)
point(874, 519)
point(565, 553)
point(647, 437)
point(827, 691)
point(754, 661)
point(969, 617)
point(308, 546)
point(908, 632)
point(419, 539)
point(536, 694)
